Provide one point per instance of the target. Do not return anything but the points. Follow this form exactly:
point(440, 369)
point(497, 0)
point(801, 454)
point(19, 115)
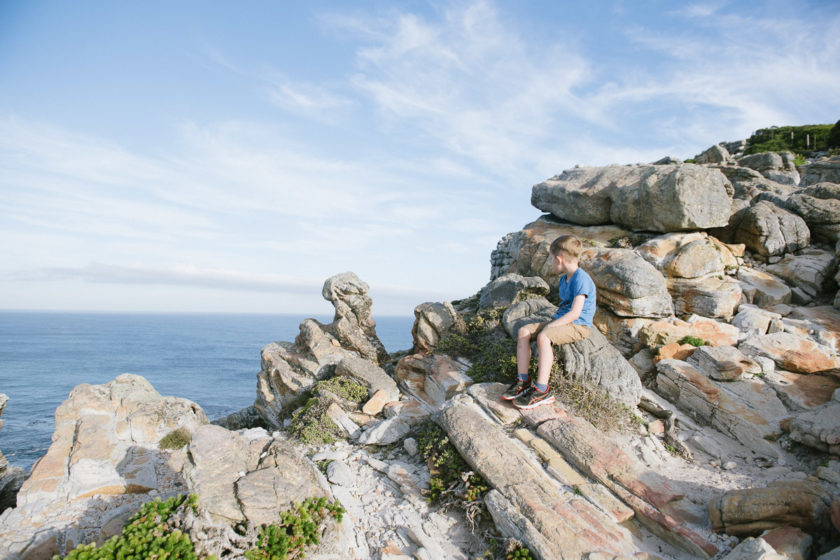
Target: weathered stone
point(747, 410)
point(595, 361)
point(627, 284)
point(650, 495)
point(646, 197)
point(754, 549)
point(752, 320)
point(819, 428)
point(769, 230)
point(511, 288)
point(674, 351)
point(11, 478)
point(535, 310)
point(433, 379)
point(824, 170)
point(713, 333)
point(386, 432)
point(791, 352)
point(773, 166)
point(823, 322)
point(622, 332)
point(369, 374)
point(722, 363)
point(763, 289)
point(715, 154)
point(749, 512)
point(819, 206)
point(377, 402)
point(748, 184)
point(811, 271)
point(790, 542)
point(688, 255)
point(489, 397)
point(559, 524)
point(353, 324)
point(802, 391)
point(433, 321)
point(716, 298)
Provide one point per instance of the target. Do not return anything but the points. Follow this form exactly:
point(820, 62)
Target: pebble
point(410, 446)
point(339, 473)
point(729, 465)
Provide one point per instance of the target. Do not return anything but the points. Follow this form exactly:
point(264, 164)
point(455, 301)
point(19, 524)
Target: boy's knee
point(543, 340)
point(524, 332)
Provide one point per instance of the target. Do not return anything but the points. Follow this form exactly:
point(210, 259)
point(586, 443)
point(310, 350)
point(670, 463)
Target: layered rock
point(820, 427)
point(792, 352)
point(432, 322)
point(825, 170)
point(768, 230)
point(289, 369)
point(512, 288)
point(641, 197)
point(819, 206)
point(809, 273)
point(774, 166)
point(11, 478)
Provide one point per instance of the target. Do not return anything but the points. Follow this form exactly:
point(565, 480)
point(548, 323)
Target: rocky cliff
point(701, 420)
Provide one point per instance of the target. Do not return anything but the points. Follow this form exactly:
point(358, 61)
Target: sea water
point(211, 359)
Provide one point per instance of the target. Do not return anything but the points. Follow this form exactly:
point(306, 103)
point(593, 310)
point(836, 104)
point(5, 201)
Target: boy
point(571, 323)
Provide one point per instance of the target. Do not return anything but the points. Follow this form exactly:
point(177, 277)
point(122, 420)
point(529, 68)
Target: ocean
point(211, 359)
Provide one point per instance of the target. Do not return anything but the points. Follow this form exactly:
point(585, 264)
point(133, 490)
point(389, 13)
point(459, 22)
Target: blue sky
point(221, 156)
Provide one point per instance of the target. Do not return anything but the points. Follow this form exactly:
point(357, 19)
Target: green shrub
point(797, 139)
point(590, 402)
point(485, 344)
point(147, 535)
point(312, 425)
point(693, 340)
point(447, 468)
point(176, 439)
point(344, 387)
point(299, 527)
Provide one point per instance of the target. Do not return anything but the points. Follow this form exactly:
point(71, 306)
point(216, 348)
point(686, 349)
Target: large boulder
point(511, 288)
point(667, 331)
point(751, 511)
point(595, 361)
point(819, 206)
point(432, 322)
point(11, 478)
point(104, 460)
point(792, 352)
point(769, 230)
point(715, 154)
point(824, 170)
point(722, 363)
point(553, 522)
point(820, 427)
point(353, 324)
point(535, 310)
point(762, 288)
point(748, 184)
point(688, 255)
point(776, 167)
point(713, 297)
point(809, 273)
point(747, 410)
point(641, 197)
point(627, 284)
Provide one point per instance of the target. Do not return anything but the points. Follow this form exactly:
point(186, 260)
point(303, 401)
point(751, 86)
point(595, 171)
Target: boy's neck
point(571, 268)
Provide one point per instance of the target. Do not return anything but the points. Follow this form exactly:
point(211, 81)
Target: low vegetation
point(176, 439)
point(345, 387)
point(312, 425)
point(798, 139)
point(299, 527)
point(693, 340)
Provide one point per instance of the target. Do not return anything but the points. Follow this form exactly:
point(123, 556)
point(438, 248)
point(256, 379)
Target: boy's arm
point(572, 314)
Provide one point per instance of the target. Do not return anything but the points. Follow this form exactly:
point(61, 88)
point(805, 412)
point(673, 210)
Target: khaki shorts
point(564, 334)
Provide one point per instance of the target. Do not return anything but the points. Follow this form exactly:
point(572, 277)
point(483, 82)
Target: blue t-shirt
point(580, 283)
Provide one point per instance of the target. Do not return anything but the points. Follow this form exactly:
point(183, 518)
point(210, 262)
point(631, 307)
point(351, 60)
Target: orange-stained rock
point(666, 331)
point(675, 351)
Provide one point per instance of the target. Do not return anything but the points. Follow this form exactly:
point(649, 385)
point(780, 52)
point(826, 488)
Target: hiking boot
point(531, 398)
point(516, 388)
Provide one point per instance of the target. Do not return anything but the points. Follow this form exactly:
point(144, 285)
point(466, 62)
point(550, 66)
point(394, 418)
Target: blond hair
point(570, 245)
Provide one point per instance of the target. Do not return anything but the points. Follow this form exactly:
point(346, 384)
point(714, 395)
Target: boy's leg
point(545, 339)
point(523, 360)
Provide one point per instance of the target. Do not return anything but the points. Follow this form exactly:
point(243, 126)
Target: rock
point(595, 361)
point(552, 522)
point(773, 166)
point(412, 411)
point(410, 446)
point(622, 332)
point(536, 310)
point(643, 197)
point(763, 289)
point(754, 549)
point(246, 418)
point(819, 206)
point(377, 402)
point(768, 230)
point(489, 397)
point(432, 379)
point(716, 298)
point(433, 321)
point(722, 363)
point(747, 410)
point(353, 325)
point(527, 252)
point(511, 288)
point(11, 478)
point(343, 420)
point(667, 160)
point(819, 428)
point(385, 432)
point(370, 375)
point(674, 351)
point(104, 456)
point(791, 352)
point(824, 170)
point(748, 184)
point(713, 333)
point(752, 320)
point(688, 255)
point(339, 473)
point(749, 512)
point(715, 154)
point(811, 271)
point(823, 321)
point(801, 392)
point(627, 284)
point(790, 542)
point(650, 495)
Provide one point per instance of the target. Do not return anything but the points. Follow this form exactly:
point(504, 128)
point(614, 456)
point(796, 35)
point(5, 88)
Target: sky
point(200, 156)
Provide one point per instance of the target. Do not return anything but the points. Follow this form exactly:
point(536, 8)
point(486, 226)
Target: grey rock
point(810, 270)
point(596, 361)
point(776, 167)
point(754, 549)
point(824, 170)
point(667, 160)
point(819, 206)
point(752, 320)
point(722, 363)
point(535, 310)
point(410, 446)
point(369, 374)
point(748, 184)
point(511, 288)
point(646, 197)
point(764, 289)
point(432, 322)
point(627, 284)
point(792, 352)
point(353, 324)
point(386, 432)
point(715, 154)
point(713, 297)
point(339, 473)
point(819, 428)
point(769, 230)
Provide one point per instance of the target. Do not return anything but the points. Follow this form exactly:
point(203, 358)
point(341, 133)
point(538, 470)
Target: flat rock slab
point(762, 288)
point(556, 522)
point(792, 352)
point(820, 427)
point(712, 332)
